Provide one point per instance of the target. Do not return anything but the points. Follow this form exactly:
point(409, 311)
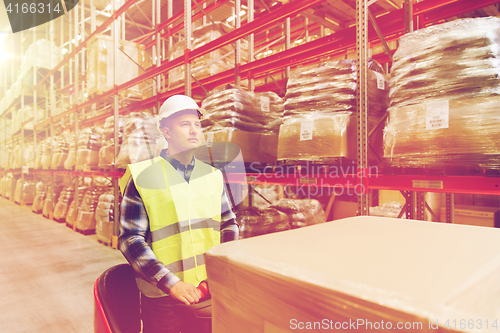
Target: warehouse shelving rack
point(392, 20)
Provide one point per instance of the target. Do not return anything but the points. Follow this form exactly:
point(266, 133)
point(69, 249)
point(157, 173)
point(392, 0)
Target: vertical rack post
point(362, 92)
point(450, 208)
point(75, 109)
point(187, 47)
point(287, 43)
point(115, 32)
point(237, 53)
point(251, 41)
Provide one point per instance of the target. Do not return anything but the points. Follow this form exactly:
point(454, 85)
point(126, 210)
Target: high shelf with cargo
point(80, 104)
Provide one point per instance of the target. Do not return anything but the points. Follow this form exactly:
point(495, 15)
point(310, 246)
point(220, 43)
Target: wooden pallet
point(86, 232)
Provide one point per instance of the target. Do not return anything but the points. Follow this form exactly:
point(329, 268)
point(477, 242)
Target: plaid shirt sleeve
point(229, 228)
point(134, 233)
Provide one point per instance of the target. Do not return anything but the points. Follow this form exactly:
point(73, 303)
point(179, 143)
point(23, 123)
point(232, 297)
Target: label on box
point(265, 103)
point(26, 169)
point(437, 115)
point(306, 129)
point(380, 81)
point(210, 139)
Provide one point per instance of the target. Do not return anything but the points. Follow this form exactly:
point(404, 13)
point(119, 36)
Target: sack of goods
point(40, 195)
point(104, 217)
point(89, 143)
point(140, 137)
point(72, 213)
point(60, 152)
point(321, 110)
point(249, 120)
point(301, 212)
point(107, 151)
point(85, 222)
point(25, 192)
point(53, 193)
point(255, 221)
point(444, 96)
point(61, 208)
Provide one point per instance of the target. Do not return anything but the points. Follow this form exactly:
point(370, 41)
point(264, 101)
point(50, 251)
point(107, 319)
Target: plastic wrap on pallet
point(471, 137)
point(42, 53)
point(390, 209)
point(70, 161)
point(233, 107)
point(301, 212)
point(209, 64)
point(131, 56)
point(331, 87)
point(139, 139)
point(9, 185)
point(445, 95)
point(16, 157)
point(25, 192)
point(46, 160)
point(53, 193)
point(40, 195)
point(318, 136)
point(253, 221)
point(2, 181)
point(61, 208)
point(59, 153)
point(89, 144)
point(365, 274)
point(26, 116)
point(455, 60)
point(104, 217)
point(107, 151)
point(72, 213)
point(86, 213)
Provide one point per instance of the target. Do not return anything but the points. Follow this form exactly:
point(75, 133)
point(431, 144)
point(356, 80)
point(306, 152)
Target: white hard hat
point(178, 103)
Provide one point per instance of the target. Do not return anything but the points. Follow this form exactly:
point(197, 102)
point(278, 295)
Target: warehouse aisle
point(47, 273)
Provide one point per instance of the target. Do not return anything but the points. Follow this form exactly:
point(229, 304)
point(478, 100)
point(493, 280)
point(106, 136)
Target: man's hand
point(185, 292)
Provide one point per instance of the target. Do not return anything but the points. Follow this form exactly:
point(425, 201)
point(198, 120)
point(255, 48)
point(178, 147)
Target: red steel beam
point(442, 184)
point(456, 8)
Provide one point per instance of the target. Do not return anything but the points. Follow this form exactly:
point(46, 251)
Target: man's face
point(183, 133)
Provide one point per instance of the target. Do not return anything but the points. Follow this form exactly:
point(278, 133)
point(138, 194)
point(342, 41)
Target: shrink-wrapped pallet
point(233, 107)
point(72, 213)
point(444, 96)
point(70, 161)
point(331, 87)
point(321, 110)
point(301, 212)
point(249, 120)
point(40, 195)
point(209, 64)
point(60, 151)
point(363, 274)
point(86, 222)
point(25, 192)
point(140, 135)
point(104, 217)
point(16, 157)
point(10, 186)
point(42, 53)
point(53, 193)
point(131, 56)
point(255, 221)
point(107, 151)
point(28, 155)
point(318, 136)
point(89, 143)
point(2, 182)
point(61, 208)
point(26, 116)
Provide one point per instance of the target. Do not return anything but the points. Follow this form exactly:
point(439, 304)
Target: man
point(179, 206)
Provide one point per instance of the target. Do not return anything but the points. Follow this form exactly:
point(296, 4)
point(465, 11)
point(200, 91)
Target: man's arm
point(229, 229)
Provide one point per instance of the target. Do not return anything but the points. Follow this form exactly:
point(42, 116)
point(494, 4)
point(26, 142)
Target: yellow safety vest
point(184, 218)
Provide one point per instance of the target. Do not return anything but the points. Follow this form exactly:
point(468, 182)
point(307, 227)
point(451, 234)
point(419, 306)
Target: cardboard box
point(318, 137)
point(370, 271)
point(255, 147)
point(474, 215)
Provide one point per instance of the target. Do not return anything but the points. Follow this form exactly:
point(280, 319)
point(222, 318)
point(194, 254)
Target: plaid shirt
point(135, 234)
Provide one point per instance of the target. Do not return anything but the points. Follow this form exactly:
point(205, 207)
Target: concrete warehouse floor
point(47, 273)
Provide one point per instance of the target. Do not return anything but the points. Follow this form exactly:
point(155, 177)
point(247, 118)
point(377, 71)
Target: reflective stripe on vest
point(184, 218)
point(183, 226)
